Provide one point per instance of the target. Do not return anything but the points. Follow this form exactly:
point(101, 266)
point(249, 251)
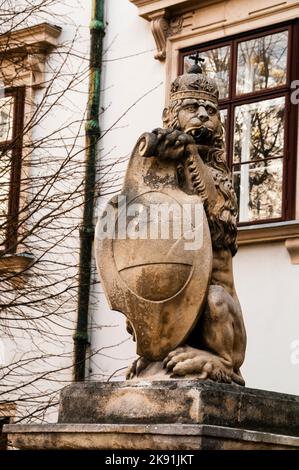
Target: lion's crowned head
point(193, 109)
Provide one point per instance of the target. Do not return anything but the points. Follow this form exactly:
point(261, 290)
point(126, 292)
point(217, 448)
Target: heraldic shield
point(154, 253)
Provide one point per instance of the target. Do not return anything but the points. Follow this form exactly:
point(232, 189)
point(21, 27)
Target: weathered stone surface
point(165, 415)
point(186, 402)
point(180, 301)
point(144, 437)
point(155, 281)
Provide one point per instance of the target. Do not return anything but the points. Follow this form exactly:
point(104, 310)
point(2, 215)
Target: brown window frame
point(291, 119)
point(15, 146)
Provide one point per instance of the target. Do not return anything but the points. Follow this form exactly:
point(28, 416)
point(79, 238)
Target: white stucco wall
point(265, 279)
point(267, 284)
point(47, 343)
point(132, 98)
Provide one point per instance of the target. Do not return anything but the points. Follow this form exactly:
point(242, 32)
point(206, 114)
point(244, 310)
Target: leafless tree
point(39, 267)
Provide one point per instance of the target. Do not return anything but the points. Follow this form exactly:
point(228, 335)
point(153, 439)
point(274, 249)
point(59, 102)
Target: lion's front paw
point(185, 361)
point(171, 143)
point(136, 367)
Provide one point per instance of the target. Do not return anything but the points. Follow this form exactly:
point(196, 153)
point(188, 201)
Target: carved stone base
point(168, 415)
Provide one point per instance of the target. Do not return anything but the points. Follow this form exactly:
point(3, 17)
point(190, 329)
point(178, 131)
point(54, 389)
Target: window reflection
point(223, 117)
point(259, 130)
point(216, 65)
point(256, 124)
point(262, 63)
point(259, 190)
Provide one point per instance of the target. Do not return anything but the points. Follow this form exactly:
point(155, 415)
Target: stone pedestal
point(165, 415)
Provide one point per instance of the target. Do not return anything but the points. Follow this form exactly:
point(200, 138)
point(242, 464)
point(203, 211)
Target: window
point(254, 73)
point(11, 129)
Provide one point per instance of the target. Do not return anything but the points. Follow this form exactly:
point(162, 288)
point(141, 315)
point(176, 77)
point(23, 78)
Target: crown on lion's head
point(194, 85)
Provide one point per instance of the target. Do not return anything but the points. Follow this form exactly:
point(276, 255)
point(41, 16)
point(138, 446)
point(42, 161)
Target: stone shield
point(154, 255)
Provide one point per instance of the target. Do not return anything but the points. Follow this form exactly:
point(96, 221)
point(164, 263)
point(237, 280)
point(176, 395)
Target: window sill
point(280, 231)
point(7, 410)
point(15, 263)
point(268, 232)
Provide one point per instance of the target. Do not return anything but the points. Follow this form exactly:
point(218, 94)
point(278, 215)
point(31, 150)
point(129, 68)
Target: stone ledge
point(264, 233)
point(148, 8)
point(179, 401)
point(15, 263)
point(165, 415)
point(41, 37)
point(14, 268)
point(7, 410)
point(159, 437)
point(24, 53)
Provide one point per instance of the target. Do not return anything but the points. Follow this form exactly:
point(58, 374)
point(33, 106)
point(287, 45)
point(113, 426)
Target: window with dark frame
point(11, 133)
point(254, 72)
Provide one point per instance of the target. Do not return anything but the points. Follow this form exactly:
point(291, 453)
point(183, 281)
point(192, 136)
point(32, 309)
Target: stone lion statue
point(193, 137)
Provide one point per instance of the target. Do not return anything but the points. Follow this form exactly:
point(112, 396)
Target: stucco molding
point(14, 266)
point(24, 53)
point(162, 28)
point(279, 231)
point(159, 27)
point(292, 245)
point(7, 410)
point(146, 8)
point(166, 19)
point(287, 232)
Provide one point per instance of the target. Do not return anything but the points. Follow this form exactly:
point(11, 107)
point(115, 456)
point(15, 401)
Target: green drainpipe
point(87, 229)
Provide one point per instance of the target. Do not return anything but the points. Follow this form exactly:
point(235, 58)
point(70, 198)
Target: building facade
point(47, 96)
point(248, 48)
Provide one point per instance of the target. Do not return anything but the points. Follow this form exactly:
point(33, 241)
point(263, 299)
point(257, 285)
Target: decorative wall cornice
point(42, 36)
point(165, 17)
point(25, 50)
point(147, 8)
point(162, 28)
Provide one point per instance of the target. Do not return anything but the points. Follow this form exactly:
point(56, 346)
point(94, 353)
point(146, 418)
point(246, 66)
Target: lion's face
point(199, 118)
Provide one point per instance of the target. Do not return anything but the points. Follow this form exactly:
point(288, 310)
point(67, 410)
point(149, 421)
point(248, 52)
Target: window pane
point(259, 130)
point(262, 63)
point(216, 65)
point(223, 116)
point(6, 118)
point(5, 166)
point(259, 190)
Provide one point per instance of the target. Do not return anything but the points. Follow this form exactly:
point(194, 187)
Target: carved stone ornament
point(175, 283)
point(162, 28)
point(159, 27)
